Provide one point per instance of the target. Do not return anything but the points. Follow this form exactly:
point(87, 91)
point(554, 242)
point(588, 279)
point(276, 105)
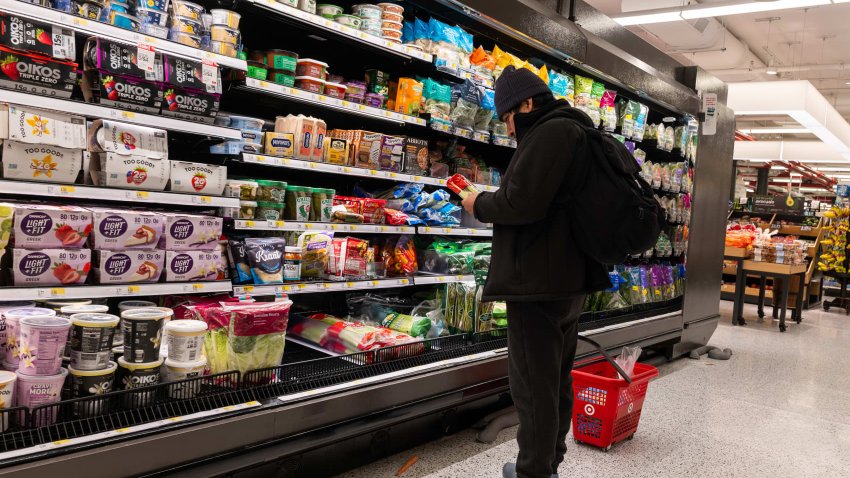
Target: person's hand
point(469, 203)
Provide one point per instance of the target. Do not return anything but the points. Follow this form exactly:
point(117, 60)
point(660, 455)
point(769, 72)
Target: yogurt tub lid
point(61, 303)
point(94, 373)
point(16, 304)
point(46, 321)
point(134, 304)
point(227, 12)
point(247, 203)
point(81, 309)
point(150, 313)
point(139, 366)
point(22, 377)
point(118, 349)
point(94, 320)
point(7, 376)
point(184, 19)
point(310, 60)
point(186, 327)
point(201, 362)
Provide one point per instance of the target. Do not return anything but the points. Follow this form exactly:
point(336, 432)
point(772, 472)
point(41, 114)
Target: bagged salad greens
point(345, 337)
point(256, 335)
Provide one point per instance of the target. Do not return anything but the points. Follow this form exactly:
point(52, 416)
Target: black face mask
point(524, 121)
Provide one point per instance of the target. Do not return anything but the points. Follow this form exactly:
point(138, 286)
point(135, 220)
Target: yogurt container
point(187, 25)
point(161, 5)
point(91, 340)
point(365, 10)
point(352, 21)
point(135, 304)
point(70, 310)
point(329, 11)
point(223, 48)
point(185, 339)
point(36, 390)
point(4, 306)
point(225, 34)
point(117, 351)
point(174, 371)
point(183, 38)
point(228, 18)
point(43, 342)
point(142, 330)
point(311, 84)
point(246, 122)
point(7, 391)
point(187, 9)
point(13, 331)
point(309, 67)
point(87, 383)
point(138, 375)
point(152, 16)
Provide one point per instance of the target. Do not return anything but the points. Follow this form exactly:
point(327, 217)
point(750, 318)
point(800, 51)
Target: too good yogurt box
point(183, 266)
point(120, 229)
point(129, 171)
point(186, 232)
point(37, 162)
point(130, 266)
point(51, 227)
point(197, 178)
point(50, 266)
point(30, 125)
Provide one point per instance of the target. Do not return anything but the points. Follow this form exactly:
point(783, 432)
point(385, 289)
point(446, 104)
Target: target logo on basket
point(631, 407)
point(589, 409)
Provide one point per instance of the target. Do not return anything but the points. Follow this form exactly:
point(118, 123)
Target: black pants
point(541, 351)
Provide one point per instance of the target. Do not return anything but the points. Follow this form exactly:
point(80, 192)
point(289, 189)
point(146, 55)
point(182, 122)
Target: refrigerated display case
point(322, 411)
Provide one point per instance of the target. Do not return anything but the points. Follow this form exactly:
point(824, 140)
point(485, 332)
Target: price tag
point(142, 194)
point(63, 43)
point(197, 287)
point(127, 114)
point(460, 278)
point(209, 75)
point(249, 224)
point(122, 430)
point(133, 289)
point(805, 228)
point(287, 288)
point(373, 172)
point(201, 199)
point(393, 175)
point(248, 289)
point(374, 283)
point(346, 170)
point(404, 281)
point(145, 57)
point(441, 279)
point(302, 286)
point(416, 179)
point(349, 284)
point(384, 228)
point(57, 292)
point(271, 223)
point(61, 442)
point(325, 285)
point(308, 226)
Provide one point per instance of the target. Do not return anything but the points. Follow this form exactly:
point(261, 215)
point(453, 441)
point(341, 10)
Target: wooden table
point(777, 271)
point(737, 254)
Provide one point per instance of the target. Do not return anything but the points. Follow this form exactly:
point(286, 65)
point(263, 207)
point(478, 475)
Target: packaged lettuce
point(482, 61)
point(640, 122)
point(486, 112)
point(467, 106)
point(465, 40)
point(500, 315)
point(584, 87)
point(596, 92)
point(256, 335)
point(558, 84)
point(422, 35)
point(607, 105)
point(632, 111)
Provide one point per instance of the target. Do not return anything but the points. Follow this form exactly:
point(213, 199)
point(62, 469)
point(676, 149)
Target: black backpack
point(612, 207)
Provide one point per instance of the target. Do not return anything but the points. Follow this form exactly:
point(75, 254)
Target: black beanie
point(515, 86)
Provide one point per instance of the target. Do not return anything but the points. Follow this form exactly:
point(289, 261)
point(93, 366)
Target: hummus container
point(371, 24)
point(246, 190)
point(187, 25)
point(33, 162)
point(281, 60)
point(311, 84)
point(335, 90)
point(13, 332)
point(46, 227)
point(86, 383)
point(257, 70)
point(187, 9)
point(50, 266)
point(142, 330)
point(128, 267)
point(270, 211)
point(152, 16)
point(247, 123)
point(191, 232)
point(365, 10)
point(236, 147)
point(307, 5)
point(132, 375)
point(183, 38)
point(228, 18)
point(391, 8)
point(386, 15)
point(394, 35)
point(281, 77)
point(154, 30)
point(91, 340)
point(185, 340)
point(272, 191)
point(161, 5)
point(391, 25)
point(176, 371)
point(43, 341)
point(329, 11)
point(191, 266)
point(309, 67)
point(197, 178)
point(120, 229)
point(223, 48)
point(352, 21)
point(37, 390)
point(222, 33)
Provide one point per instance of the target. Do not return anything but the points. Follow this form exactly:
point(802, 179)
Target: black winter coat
point(534, 255)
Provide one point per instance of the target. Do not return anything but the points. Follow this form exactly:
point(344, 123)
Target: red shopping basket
point(607, 409)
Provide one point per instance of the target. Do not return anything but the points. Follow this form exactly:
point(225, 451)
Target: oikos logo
point(589, 410)
point(192, 101)
point(135, 90)
point(113, 226)
point(41, 71)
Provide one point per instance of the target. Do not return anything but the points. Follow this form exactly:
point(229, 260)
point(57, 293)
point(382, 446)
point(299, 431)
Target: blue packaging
point(161, 5)
point(123, 20)
point(407, 32)
point(152, 17)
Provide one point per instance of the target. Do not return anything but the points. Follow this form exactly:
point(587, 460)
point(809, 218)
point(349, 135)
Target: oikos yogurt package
point(138, 375)
point(51, 227)
point(91, 340)
point(50, 266)
point(142, 330)
point(86, 383)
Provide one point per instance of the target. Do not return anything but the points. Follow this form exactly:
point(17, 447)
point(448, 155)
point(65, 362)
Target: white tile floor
point(779, 408)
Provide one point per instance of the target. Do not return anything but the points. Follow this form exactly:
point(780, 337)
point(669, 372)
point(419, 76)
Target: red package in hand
point(461, 186)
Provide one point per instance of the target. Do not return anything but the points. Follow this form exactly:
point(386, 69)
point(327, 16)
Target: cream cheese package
point(34, 126)
point(128, 266)
point(119, 229)
point(51, 227)
point(122, 138)
point(185, 266)
point(187, 232)
point(133, 172)
point(197, 178)
point(35, 162)
point(50, 266)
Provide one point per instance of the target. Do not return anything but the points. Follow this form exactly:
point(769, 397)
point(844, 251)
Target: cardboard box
point(193, 105)
point(47, 267)
point(114, 137)
point(392, 153)
point(336, 151)
point(37, 74)
point(51, 227)
point(279, 144)
point(123, 229)
point(119, 59)
point(34, 162)
point(184, 73)
point(32, 36)
point(186, 266)
point(128, 267)
point(366, 149)
point(125, 92)
point(416, 159)
point(115, 170)
point(189, 232)
point(197, 178)
point(31, 125)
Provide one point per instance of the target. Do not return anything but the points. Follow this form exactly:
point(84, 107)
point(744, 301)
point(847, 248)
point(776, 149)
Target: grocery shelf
point(442, 279)
point(93, 110)
point(325, 24)
point(99, 291)
point(295, 94)
point(348, 170)
point(476, 136)
point(269, 225)
point(103, 30)
point(454, 231)
point(72, 191)
point(308, 287)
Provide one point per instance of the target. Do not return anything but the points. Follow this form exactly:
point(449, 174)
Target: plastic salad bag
point(432, 310)
point(627, 360)
point(468, 102)
point(486, 112)
point(256, 335)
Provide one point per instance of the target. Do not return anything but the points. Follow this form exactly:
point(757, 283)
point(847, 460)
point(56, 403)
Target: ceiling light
point(847, 170)
point(638, 19)
point(706, 10)
point(772, 71)
point(775, 131)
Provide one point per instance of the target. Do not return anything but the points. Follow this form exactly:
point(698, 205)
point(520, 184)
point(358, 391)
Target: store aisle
point(778, 408)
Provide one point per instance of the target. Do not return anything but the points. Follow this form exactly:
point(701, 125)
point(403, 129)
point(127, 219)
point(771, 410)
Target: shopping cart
point(606, 409)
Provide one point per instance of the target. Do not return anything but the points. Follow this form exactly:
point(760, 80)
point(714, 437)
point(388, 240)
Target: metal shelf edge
point(117, 290)
point(113, 194)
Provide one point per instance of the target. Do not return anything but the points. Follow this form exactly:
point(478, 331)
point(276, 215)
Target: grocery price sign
point(777, 204)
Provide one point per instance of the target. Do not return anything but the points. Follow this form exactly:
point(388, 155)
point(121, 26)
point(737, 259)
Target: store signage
point(777, 204)
point(709, 107)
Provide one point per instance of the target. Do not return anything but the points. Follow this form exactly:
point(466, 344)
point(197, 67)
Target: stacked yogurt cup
point(185, 357)
point(90, 348)
point(139, 366)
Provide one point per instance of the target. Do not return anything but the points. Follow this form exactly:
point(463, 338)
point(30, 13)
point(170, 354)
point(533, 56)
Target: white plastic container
point(185, 340)
point(173, 371)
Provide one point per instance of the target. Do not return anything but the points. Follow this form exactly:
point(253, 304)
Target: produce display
point(833, 254)
point(741, 235)
point(636, 285)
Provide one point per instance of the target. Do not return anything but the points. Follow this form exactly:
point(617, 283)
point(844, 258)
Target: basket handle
point(607, 357)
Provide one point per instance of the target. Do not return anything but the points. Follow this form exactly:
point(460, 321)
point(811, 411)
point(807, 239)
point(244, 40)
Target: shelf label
point(133, 289)
point(64, 45)
point(248, 289)
point(287, 288)
point(302, 286)
point(349, 284)
point(53, 292)
point(404, 281)
point(145, 55)
point(201, 199)
point(197, 287)
point(209, 76)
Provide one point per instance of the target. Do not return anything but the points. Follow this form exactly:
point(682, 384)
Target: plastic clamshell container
point(365, 10)
point(335, 90)
point(281, 60)
point(236, 147)
point(154, 30)
point(329, 11)
point(308, 83)
point(246, 123)
point(310, 67)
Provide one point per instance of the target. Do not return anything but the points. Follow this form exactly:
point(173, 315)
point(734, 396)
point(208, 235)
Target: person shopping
point(536, 266)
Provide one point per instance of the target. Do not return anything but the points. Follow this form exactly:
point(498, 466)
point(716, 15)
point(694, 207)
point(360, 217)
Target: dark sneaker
point(509, 471)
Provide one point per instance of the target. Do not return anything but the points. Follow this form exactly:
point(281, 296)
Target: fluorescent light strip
point(776, 130)
point(663, 15)
point(644, 19)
